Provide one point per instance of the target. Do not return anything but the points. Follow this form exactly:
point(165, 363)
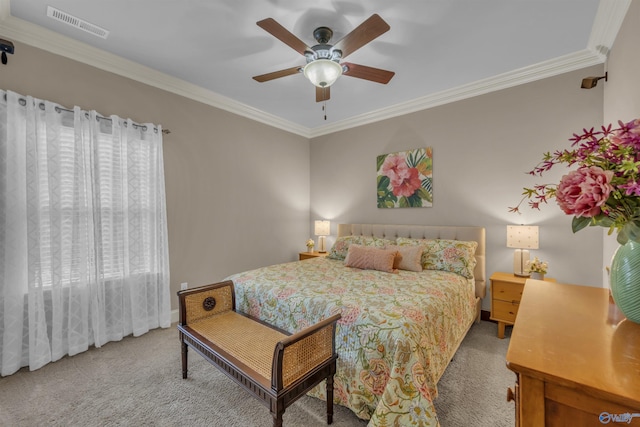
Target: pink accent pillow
point(410, 257)
point(370, 258)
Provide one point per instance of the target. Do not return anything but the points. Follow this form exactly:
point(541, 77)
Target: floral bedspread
point(397, 334)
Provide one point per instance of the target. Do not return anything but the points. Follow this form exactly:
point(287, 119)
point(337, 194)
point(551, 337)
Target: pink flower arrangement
point(605, 189)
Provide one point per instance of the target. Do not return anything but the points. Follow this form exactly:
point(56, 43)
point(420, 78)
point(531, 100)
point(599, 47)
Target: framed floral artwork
point(404, 179)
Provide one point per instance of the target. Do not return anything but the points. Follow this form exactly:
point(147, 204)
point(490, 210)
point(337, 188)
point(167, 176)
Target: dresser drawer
point(505, 311)
point(504, 291)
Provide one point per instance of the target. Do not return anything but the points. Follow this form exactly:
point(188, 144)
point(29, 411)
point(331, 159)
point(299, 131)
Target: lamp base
point(520, 259)
point(321, 243)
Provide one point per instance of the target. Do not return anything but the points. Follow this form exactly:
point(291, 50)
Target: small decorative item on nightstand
point(310, 245)
point(537, 268)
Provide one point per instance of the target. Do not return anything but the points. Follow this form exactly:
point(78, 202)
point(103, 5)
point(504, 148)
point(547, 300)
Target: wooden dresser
point(576, 358)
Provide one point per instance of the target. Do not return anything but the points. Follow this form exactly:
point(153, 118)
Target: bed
point(399, 330)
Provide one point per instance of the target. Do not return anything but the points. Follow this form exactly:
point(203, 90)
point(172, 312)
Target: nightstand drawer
point(309, 255)
point(505, 291)
point(505, 311)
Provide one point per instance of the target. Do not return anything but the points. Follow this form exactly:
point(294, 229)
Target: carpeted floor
point(138, 382)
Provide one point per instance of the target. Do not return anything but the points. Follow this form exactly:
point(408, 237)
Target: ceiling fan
point(323, 60)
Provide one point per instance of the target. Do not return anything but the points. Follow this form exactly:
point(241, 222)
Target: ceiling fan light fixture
point(322, 72)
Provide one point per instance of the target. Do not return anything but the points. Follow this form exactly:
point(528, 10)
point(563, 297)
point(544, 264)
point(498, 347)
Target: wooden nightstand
point(506, 293)
point(307, 255)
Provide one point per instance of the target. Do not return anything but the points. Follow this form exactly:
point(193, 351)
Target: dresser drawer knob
point(511, 396)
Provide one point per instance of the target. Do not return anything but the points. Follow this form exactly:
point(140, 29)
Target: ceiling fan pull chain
point(324, 108)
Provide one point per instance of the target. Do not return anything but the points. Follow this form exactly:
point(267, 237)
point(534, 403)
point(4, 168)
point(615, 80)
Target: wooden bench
point(275, 366)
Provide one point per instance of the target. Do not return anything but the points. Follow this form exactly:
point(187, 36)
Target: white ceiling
point(440, 50)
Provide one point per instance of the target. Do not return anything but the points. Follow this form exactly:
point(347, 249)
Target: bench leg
point(277, 419)
point(329, 399)
point(185, 349)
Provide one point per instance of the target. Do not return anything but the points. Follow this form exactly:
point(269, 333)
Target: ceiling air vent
point(78, 23)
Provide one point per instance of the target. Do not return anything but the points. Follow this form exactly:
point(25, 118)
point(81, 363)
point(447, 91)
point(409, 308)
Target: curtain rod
point(58, 109)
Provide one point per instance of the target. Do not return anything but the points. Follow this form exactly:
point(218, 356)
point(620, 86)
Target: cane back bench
point(276, 367)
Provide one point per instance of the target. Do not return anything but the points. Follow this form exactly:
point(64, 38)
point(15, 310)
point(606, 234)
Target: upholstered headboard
point(392, 231)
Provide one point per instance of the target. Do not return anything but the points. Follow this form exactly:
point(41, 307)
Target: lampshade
point(322, 228)
point(521, 237)
point(322, 72)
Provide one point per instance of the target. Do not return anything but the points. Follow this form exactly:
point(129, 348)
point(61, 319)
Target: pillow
point(378, 242)
point(396, 260)
point(340, 248)
point(410, 258)
point(371, 258)
point(456, 256)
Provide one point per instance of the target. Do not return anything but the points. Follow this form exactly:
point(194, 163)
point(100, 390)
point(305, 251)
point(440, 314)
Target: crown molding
point(606, 25)
point(550, 68)
point(42, 38)
point(608, 20)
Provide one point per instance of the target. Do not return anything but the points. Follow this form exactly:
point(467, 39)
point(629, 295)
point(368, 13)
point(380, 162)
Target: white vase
point(537, 276)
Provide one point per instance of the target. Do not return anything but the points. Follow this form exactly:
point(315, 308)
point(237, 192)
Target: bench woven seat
point(276, 367)
point(243, 339)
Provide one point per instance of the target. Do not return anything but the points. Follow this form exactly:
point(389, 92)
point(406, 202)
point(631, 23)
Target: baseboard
point(175, 316)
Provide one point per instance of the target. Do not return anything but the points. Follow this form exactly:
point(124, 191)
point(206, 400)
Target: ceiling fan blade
point(284, 35)
point(323, 93)
point(277, 74)
point(362, 34)
point(368, 73)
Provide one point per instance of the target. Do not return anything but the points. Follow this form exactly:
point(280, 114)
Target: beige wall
point(237, 190)
point(622, 90)
point(482, 149)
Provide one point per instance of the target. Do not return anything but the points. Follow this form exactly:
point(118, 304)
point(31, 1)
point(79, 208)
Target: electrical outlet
point(183, 286)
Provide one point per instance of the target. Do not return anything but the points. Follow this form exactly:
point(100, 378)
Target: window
point(116, 202)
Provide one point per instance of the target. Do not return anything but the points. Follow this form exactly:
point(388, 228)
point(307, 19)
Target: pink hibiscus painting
point(404, 179)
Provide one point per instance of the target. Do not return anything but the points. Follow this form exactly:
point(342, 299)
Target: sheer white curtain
point(83, 231)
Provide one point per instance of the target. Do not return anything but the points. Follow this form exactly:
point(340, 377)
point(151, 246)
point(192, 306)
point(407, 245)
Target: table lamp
point(322, 229)
point(521, 237)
